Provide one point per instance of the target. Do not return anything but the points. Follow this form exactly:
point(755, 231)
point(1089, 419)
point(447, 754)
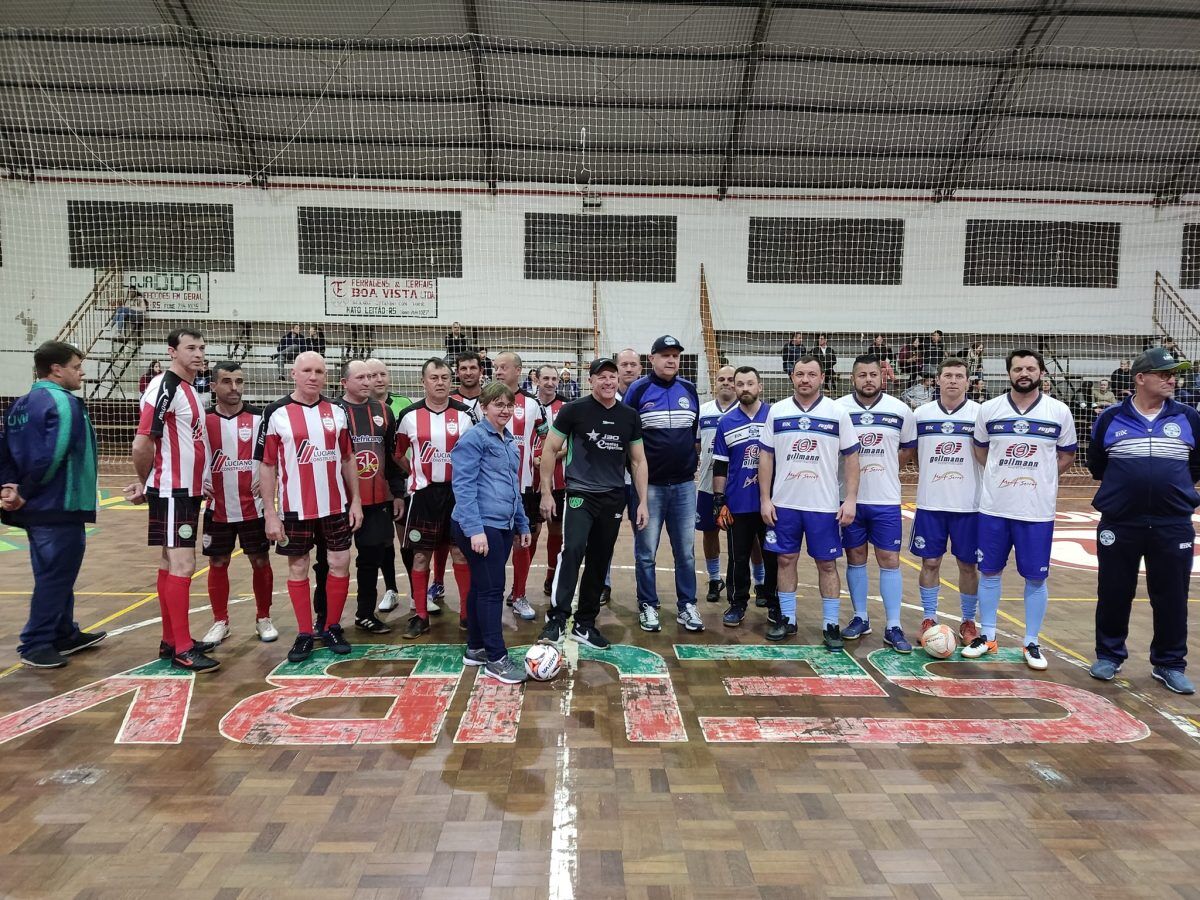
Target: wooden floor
point(708, 767)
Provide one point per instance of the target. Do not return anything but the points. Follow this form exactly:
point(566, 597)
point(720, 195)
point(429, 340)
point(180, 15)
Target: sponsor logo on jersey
point(948, 476)
point(948, 448)
point(367, 463)
point(870, 468)
point(870, 438)
point(429, 453)
point(198, 431)
point(308, 454)
point(222, 462)
point(1172, 430)
point(804, 445)
point(1022, 481)
point(802, 475)
point(1021, 451)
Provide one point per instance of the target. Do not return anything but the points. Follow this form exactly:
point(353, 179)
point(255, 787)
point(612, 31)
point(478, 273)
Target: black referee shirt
point(598, 442)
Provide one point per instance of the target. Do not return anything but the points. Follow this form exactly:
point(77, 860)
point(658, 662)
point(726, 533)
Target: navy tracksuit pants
point(1167, 550)
point(55, 554)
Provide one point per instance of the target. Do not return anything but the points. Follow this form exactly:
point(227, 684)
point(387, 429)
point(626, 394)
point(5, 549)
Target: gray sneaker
point(475, 657)
point(689, 618)
point(505, 671)
point(522, 610)
point(648, 619)
point(1174, 679)
point(1104, 669)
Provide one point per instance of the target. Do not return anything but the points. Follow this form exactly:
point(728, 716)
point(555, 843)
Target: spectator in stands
point(880, 349)
point(288, 349)
point(793, 350)
point(1168, 344)
point(568, 387)
point(203, 381)
point(315, 341)
point(974, 357)
point(911, 358)
point(530, 384)
point(240, 341)
point(977, 390)
point(485, 365)
point(359, 342)
point(826, 358)
point(1102, 396)
point(935, 350)
point(130, 316)
point(457, 342)
point(921, 392)
point(155, 368)
point(1121, 380)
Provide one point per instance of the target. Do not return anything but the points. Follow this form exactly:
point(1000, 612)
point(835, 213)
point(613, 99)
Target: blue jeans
point(55, 553)
point(674, 505)
point(485, 599)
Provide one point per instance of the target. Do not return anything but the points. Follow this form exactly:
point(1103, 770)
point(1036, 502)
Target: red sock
point(336, 589)
point(177, 589)
point(462, 577)
point(167, 637)
point(218, 592)
point(300, 593)
point(264, 586)
point(521, 557)
point(420, 592)
point(553, 548)
point(439, 563)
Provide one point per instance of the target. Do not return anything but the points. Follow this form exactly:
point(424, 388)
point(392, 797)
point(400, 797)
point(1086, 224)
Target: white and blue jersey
point(710, 415)
point(884, 429)
point(737, 443)
point(948, 483)
point(808, 446)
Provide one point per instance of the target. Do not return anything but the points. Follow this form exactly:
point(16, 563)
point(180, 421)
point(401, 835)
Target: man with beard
point(1024, 440)
point(724, 399)
point(887, 437)
point(470, 381)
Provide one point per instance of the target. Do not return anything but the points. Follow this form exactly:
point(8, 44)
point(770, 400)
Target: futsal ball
point(939, 641)
point(543, 662)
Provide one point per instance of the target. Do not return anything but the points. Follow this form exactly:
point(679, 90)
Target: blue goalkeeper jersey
point(737, 443)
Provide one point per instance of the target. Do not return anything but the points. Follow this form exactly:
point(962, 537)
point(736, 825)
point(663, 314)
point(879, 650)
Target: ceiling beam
point(749, 78)
point(481, 89)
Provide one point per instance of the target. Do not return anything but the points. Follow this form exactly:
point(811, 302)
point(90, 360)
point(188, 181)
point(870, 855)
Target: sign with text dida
point(400, 298)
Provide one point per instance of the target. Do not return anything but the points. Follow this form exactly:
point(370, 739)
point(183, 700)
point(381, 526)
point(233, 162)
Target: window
point(1042, 254)
point(380, 243)
point(825, 251)
point(1189, 267)
point(600, 248)
point(141, 237)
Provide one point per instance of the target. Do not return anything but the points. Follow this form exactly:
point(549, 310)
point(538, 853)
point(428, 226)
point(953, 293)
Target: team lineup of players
point(311, 473)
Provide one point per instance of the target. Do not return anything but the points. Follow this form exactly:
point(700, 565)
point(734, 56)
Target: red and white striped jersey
point(172, 413)
point(308, 445)
point(527, 416)
point(550, 410)
point(234, 470)
point(431, 436)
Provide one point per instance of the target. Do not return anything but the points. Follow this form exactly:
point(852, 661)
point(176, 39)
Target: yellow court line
point(1013, 619)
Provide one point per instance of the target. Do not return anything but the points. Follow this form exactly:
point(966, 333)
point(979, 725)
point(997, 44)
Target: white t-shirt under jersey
point(949, 477)
point(883, 429)
point(808, 445)
point(1020, 480)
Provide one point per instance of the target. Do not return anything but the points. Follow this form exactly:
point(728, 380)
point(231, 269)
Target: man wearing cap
point(1145, 452)
point(669, 408)
point(601, 436)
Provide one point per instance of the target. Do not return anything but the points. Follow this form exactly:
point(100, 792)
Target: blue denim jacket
point(485, 480)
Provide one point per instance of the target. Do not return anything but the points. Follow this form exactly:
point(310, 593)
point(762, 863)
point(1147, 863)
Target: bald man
point(724, 399)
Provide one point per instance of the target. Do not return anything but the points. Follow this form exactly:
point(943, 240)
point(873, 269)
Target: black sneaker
point(715, 587)
point(302, 649)
point(415, 628)
point(780, 631)
point(45, 657)
point(194, 660)
point(552, 633)
point(832, 636)
point(548, 585)
point(166, 651)
point(591, 636)
point(81, 641)
point(774, 616)
point(319, 625)
point(371, 625)
point(605, 595)
point(335, 639)
point(733, 616)
point(760, 596)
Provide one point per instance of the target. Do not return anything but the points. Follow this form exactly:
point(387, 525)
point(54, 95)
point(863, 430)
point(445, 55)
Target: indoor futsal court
point(542, 192)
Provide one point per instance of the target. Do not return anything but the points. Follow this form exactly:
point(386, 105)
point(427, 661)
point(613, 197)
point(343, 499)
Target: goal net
point(570, 179)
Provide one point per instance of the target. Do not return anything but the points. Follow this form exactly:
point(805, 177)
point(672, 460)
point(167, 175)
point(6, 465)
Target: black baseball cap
point(666, 342)
point(599, 365)
point(1158, 359)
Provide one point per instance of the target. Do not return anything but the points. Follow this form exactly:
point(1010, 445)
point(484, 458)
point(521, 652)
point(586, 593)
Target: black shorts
point(301, 535)
point(533, 505)
point(377, 527)
point(427, 525)
point(174, 521)
point(220, 537)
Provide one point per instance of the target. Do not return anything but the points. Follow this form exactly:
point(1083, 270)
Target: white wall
point(36, 277)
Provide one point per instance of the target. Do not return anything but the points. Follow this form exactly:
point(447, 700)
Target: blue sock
point(929, 602)
point(970, 605)
point(760, 572)
point(891, 588)
point(989, 604)
point(1036, 600)
point(856, 584)
point(830, 609)
point(714, 568)
point(787, 606)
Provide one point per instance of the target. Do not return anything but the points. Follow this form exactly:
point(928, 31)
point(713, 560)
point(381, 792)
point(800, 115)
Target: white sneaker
point(266, 629)
point(649, 619)
point(216, 634)
point(522, 610)
point(1034, 658)
point(431, 605)
point(389, 602)
point(690, 619)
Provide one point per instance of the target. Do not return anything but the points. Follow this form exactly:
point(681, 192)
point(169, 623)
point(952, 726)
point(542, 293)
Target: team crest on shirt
point(519, 412)
point(947, 428)
point(1020, 427)
point(451, 427)
point(378, 420)
point(1171, 430)
point(328, 422)
point(804, 423)
point(867, 419)
point(244, 432)
point(684, 403)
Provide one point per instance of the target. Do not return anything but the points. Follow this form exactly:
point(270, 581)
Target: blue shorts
point(819, 530)
point(706, 516)
point(931, 529)
point(881, 525)
point(1032, 540)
